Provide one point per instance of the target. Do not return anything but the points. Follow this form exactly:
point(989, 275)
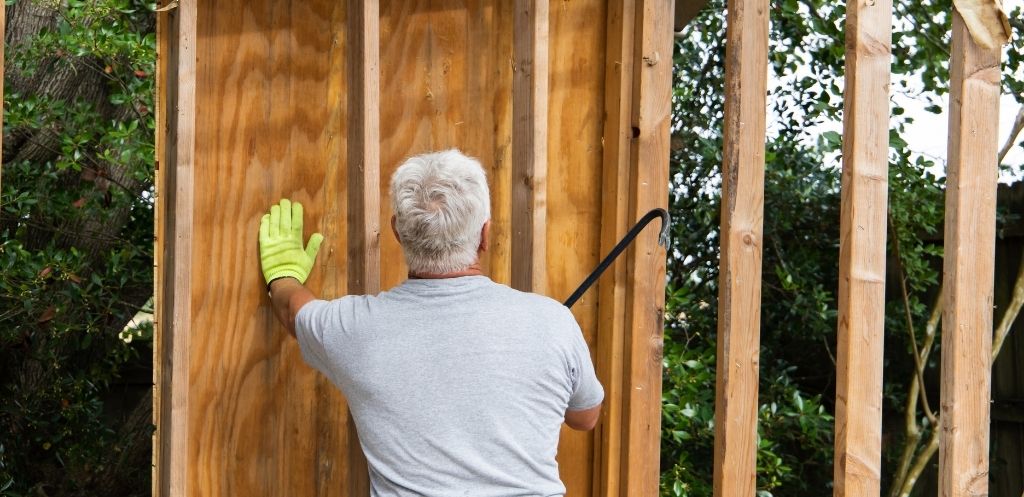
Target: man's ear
point(485, 237)
point(395, 230)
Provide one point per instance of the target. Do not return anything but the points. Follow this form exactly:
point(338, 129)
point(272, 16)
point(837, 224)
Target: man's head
point(441, 203)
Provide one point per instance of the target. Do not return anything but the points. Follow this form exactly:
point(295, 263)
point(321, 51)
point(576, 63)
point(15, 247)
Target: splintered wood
point(319, 101)
point(739, 294)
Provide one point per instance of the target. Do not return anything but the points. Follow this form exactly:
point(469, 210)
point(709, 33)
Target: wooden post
point(615, 182)
point(858, 446)
point(645, 295)
point(529, 144)
point(363, 188)
point(173, 323)
point(739, 297)
point(971, 178)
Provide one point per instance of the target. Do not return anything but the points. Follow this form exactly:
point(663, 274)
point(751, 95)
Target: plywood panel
point(270, 103)
point(739, 294)
point(574, 174)
point(968, 270)
point(858, 450)
point(440, 90)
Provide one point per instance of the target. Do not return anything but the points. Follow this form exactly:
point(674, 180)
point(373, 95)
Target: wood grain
point(267, 71)
point(529, 144)
point(861, 324)
point(286, 112)
point(573, 190)
point(645, 294)
point(615, 180)
point(446, 80)
point(739, 298)
point(968, 265)
point(363, 186)
point(160, 232)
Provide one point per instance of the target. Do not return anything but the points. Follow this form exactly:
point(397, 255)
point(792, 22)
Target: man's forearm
point(287, 296)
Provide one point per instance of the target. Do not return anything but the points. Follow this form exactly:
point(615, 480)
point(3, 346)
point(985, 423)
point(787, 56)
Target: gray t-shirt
point(457, 386)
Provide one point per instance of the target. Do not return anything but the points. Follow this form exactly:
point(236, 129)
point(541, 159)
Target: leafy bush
point(76, 227)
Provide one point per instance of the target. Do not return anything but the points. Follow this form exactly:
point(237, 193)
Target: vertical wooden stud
point(175, 202)
point(968, 270)
point(618, 137)
point(363, 184)
point(529, 144)
point(160, 212)
point(645, 294)
point(739, 298)
point(858, 446)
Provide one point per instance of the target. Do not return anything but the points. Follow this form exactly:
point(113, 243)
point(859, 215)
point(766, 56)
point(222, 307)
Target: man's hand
point(281, 251)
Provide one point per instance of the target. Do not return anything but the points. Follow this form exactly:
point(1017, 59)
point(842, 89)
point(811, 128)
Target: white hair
point(441, 202)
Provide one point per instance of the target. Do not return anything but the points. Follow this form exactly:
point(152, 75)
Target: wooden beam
point(739, 297)
point(529, 144)
point(618, 138)
point(861, 326)
point(363, 185)
point(968, 271)
point(163, 76)
point(645, 293)
point(175, 200)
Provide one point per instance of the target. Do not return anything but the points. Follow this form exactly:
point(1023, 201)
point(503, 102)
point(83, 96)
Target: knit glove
point(281, 252)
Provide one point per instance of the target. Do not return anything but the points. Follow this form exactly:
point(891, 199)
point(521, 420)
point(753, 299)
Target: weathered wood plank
point(615, 181)
point(363, 187)
point(529, 144)
point(645, 293)
point(739, 298)
point(164, 80)
point(968, 271)
point(176, 201)
point(861, 324)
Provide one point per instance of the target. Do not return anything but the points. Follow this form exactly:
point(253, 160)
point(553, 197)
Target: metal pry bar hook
point(621, 247)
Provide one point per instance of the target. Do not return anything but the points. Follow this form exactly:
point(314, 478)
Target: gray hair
point(441, 202)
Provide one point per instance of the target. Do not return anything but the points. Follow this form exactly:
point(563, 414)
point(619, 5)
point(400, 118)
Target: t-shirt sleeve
point(313, 323)
point(587, 391)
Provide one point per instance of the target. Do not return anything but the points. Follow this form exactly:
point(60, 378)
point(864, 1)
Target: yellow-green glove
point(281, 252)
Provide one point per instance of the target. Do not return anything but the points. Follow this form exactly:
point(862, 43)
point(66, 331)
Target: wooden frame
point(240, 75)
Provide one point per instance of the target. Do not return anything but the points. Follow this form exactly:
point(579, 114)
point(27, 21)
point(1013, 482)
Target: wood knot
point(652, 59)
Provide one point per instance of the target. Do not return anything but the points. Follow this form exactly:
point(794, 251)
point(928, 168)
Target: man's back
point(458, 385)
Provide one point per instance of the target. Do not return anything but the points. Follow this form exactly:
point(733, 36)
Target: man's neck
point(473, 270)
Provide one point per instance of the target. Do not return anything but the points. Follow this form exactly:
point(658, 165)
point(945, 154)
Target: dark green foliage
point(76, 226)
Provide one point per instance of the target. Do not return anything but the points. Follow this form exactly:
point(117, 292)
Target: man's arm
point(584, 419)
point(287, 296)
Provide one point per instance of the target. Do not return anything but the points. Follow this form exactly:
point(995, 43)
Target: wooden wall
point(256, 103)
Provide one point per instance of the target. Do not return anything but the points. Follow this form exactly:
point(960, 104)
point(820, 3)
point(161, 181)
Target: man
point(458, 385)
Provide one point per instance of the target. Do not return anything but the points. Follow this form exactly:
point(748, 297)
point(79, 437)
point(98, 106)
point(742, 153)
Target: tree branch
point(1013, 309)
point(1018, 125)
